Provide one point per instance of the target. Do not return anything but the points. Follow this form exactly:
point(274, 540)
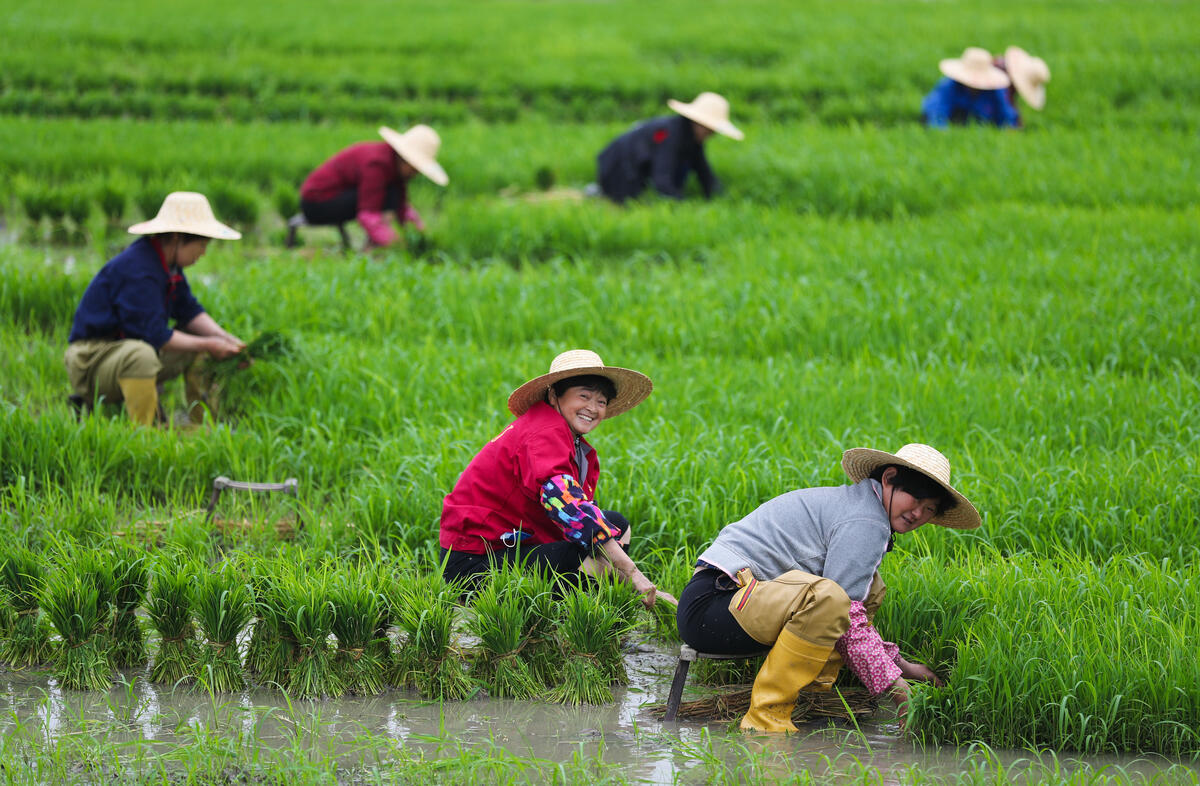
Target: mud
point(626, 731)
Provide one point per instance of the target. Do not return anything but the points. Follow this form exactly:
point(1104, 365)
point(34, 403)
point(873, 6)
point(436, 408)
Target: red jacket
point(500, 490)
point(368, 167)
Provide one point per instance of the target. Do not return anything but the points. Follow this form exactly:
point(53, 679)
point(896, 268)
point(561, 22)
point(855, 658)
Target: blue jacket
point(134, 296)
point(662, 151)
point(953, 102)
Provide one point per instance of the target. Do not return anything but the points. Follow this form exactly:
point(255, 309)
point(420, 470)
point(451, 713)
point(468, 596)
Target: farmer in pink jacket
point(366, 180)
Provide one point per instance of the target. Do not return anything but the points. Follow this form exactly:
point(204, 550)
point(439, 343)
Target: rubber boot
point(790, 665)
point(141, 399)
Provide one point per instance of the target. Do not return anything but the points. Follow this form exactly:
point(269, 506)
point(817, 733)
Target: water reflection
point(623, 733)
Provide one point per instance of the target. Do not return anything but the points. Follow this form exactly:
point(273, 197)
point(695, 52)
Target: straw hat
point(859, 463)
point(418, 146)
point(186, 211)
point(711, 111)
point(975, 69)
point(632, 386)
point(1029, 75)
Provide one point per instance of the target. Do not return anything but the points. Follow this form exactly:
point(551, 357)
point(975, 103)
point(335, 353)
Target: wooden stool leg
point(345, 237)
point(676, 694)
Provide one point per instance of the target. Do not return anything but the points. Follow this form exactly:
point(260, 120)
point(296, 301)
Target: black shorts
point(704, 620)
point(562, 558)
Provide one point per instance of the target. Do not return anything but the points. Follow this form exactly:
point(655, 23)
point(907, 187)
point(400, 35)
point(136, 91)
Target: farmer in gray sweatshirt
point(800, 575)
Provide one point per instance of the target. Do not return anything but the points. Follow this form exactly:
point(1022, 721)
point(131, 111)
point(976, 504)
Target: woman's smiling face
point(583, 408)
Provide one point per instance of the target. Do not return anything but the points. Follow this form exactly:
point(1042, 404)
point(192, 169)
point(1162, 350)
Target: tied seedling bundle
point(170, 609)
point(273, 648)
point(263, 634)
point(131, 579)
point(500, 621)
point(95, 568)
point(590, 631)
point(539, 590)
point(626, 604)
point(28, 638)
point(306, 617)
point(358, 609)
point(72, 603)
point(428, 660)
point(222, 602)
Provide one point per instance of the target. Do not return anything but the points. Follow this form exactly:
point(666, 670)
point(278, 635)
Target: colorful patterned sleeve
point(867, 654)
point(581, 520)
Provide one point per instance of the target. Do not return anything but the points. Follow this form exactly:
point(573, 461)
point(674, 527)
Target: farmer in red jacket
point(528, 495)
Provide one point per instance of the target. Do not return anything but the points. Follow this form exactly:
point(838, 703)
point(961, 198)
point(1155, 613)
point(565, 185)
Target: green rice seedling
point(223, 607)
point(358, 608)
point(500, 620)
point(307, 616)
point(71, 602)
point(542, 649)
point(95, 567)
point(170, 609)
point(131, 579)
point(262, 633)
point(590, 631)
point(426, 607)
point(27, 637)
point(626, 603)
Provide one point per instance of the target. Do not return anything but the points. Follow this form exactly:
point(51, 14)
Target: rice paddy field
point(1024, 301)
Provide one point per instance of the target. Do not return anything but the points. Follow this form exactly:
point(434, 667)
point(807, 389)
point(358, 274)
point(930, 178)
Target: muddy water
point(626, 732)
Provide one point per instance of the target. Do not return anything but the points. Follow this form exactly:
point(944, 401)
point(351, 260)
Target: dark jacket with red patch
point(661, 152)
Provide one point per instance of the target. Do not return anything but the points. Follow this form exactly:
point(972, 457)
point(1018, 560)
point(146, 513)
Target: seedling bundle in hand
point(267, 346)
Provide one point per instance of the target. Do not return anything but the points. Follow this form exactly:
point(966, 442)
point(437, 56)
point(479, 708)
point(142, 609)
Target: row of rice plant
point(315, 630)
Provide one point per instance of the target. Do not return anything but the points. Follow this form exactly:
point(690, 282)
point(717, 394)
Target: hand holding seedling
point(918, 672)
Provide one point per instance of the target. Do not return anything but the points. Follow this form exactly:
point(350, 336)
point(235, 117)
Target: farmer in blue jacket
point(663, 151)
point(122, 342)
point(972, 90)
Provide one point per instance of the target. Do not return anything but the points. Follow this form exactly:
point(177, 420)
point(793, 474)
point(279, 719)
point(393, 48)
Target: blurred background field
point(1025, 301)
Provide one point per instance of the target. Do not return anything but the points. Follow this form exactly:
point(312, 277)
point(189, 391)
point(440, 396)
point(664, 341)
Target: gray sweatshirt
point(838, 532)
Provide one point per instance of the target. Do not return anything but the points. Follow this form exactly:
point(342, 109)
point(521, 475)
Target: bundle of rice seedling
point(307, 616)
point(222, 603)
point(844, 703)
point(426, 607)
point(268, 345)
point(358, 608)
point(271, 643)
point(95, 568)
point(499, 622)
point(260, 634)
point(170, 609)
point(71, 602)
point(542, 650)
point(590, 631)
point(626, 604)
point(131, 579)
point(27, 640)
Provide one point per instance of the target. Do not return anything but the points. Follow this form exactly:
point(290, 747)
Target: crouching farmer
point(122, 345)
point(528, 495)
point(800, 575)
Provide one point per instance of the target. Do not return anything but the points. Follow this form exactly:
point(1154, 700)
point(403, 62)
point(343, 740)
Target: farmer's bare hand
point(666, 597)
point(918, 672)
point(221, 347)
point(644, 586)
point(900, 693)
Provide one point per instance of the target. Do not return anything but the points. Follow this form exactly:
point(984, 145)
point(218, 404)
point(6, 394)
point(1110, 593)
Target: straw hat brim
point(1019, 62)
point(990, 79)
point(859, 463)
point(633, 387)
point(722, 127)
point(419, 161)
point(213, 229)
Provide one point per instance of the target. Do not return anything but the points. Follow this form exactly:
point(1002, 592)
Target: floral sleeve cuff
point(866, 653)
point(580, 518)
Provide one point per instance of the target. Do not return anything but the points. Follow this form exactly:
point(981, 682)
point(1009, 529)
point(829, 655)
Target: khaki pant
point(94, 367)
point(815, 609)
